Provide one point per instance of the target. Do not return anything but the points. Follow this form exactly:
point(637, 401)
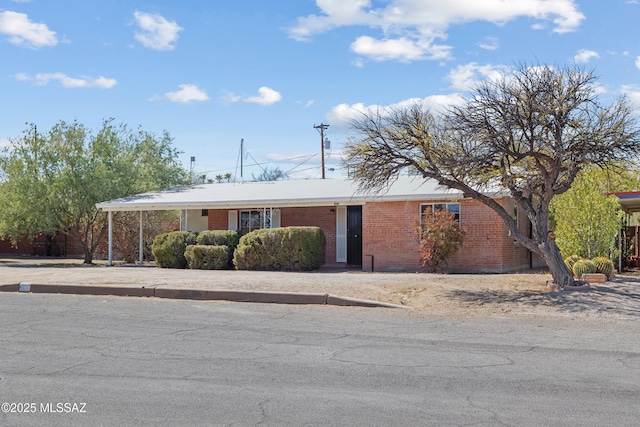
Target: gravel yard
point(427, 294)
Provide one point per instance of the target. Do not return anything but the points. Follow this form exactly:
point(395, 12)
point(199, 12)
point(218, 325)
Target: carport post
point(110, 261)
point(141, 255)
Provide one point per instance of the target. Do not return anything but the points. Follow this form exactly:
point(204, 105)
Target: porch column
point(110, 261)
point(141, 250)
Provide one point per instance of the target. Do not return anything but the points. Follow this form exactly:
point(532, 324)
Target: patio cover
point(629, 200)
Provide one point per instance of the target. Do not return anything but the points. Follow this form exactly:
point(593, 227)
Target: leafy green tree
point(528, 133)
point(51, 182)
point(587, 216)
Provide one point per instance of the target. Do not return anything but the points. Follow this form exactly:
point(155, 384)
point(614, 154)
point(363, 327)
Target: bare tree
point(526, 134)
point(275, 174)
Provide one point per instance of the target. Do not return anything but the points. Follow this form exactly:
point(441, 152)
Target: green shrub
point(207, 257)
point(281, 249)
point(218, 238)
point(227, 238)
point(168, 248)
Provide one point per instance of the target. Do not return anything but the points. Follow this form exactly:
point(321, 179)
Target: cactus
point(570, 261)
point(583, 266)
point(603, 265)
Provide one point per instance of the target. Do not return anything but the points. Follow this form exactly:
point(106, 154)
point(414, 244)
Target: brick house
point(365, 231)
point(42, 245)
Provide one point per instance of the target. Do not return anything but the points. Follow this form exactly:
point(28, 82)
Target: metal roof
point(629, 200)
point(294, 193)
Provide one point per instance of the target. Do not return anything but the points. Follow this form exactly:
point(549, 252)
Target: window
point(205, 212)
point(253, 220)
point(426, 208)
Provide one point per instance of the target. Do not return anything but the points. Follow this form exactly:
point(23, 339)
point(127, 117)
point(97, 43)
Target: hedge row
point(283, 249)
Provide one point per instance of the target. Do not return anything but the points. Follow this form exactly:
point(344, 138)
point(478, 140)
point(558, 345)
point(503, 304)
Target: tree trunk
point(561, 274)
point(88, 255)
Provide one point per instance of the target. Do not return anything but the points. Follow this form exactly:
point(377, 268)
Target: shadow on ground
point(620, 296)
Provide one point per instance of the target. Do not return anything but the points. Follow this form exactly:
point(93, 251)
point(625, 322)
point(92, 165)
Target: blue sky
point(214, 72)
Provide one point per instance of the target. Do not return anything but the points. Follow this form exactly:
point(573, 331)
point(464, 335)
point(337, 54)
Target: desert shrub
point(207, 257)
point(126, 233)
point(440, 237)
point(227, 238)
point(281, 249)
point(218, 238)
point(168, 248)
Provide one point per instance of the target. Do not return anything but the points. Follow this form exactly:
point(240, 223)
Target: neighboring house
point(41, 245)
point(629, 253)
point(363, 231)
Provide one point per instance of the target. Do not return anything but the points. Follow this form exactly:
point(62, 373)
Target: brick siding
point(390, 238)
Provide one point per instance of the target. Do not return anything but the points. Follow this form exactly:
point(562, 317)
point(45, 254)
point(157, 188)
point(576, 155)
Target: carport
point(628, 239)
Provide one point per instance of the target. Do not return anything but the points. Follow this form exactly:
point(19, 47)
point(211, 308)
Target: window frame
point(257, 219)
point(442, 206)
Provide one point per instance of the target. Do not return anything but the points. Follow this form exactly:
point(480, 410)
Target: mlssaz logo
point(65, 407)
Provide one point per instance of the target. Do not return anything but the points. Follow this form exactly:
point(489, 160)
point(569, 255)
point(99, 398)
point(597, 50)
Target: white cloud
point(43, 79)
point(413, 29)
point(465, 77)
point(24, 32)
point(230, 97)
point(266, 96)
point(156, 32)
point(187, 93)
point(402, 49)
point(489, 43)
point(306, 104)
point(4, 142)
point(584, 55)
point(341, 116)
point(632, 92)
point(638, 62)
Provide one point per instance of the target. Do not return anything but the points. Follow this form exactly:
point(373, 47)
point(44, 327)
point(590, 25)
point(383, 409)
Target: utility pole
point(241, 155)
point(321, 128)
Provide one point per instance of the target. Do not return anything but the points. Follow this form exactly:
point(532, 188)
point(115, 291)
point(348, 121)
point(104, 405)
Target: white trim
point(341, 234)
point(232, 220)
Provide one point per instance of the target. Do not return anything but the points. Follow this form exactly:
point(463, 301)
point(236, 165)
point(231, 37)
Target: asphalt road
point(86, 360)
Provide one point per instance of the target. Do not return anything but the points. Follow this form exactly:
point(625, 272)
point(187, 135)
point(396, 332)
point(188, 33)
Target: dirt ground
point(427, 294)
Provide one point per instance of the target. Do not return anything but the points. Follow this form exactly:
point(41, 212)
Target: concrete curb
point(269, 297)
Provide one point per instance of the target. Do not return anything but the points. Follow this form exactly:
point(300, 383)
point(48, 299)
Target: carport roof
point(629, 200)
point(314, 192)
